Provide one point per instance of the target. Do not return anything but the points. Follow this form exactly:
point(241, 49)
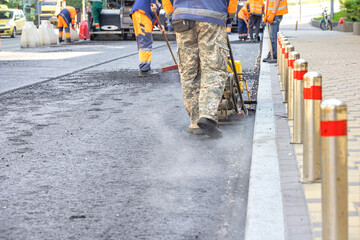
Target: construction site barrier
point(333, 129)
point(29, 36)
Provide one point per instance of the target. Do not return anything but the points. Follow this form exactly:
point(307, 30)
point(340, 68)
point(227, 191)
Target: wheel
point(13, 35)
point(323, 26)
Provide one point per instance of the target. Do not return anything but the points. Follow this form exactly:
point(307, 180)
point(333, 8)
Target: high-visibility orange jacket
point(282, 9)
point(168, 6)
point(255, 7)
point(243, 13)
point(68, 14)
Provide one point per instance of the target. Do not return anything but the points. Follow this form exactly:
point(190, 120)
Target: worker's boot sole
point(148, 73)
point(210, 127)
point(196, 131)
point(269, 60)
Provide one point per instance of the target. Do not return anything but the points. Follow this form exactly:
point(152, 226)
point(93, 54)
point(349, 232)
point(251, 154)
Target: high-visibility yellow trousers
point(143, 27)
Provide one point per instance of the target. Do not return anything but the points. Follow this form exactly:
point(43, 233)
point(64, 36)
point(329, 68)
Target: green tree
point(74, 3)
point(352, 8)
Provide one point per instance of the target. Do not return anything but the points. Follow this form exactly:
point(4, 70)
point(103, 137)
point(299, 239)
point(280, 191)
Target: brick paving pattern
point(336, 55)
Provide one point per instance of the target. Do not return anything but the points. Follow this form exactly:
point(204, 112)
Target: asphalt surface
point(103, 154)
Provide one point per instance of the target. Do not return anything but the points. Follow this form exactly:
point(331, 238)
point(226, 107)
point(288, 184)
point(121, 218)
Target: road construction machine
point(115, 22)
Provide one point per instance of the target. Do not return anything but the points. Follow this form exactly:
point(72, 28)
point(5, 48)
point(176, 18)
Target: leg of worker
point(242, 29)
point(143, 33)
point(97, 24)
point(190, 75)
point(67, 34)
point(96, 10)
point(257, 27)
point(274, 29)
point(251, 26)
point(61, 29)
point(213, 53)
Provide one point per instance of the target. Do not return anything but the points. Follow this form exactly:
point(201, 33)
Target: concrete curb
point(265, 217)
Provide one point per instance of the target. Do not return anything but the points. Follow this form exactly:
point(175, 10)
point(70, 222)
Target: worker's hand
point(271, 17)
point(73, 27)
point(162, 29)
point(265, 18)
point(153, 7)
point(229, 21)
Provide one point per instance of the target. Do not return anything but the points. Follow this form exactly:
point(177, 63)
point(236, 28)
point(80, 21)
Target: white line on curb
point(265, 217)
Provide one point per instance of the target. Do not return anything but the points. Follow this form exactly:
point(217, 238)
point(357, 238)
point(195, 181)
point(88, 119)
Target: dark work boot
point(269, 60)
point(211, 128)
point(147, 73)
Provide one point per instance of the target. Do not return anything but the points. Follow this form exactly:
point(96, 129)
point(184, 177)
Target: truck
point(115, 21)
point(49, 9)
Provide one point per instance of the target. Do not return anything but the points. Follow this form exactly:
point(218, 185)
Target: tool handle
point(271, 50)
point(157, 18)
point(236, 77)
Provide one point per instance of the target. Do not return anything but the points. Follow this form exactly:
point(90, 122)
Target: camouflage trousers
point(202, 58)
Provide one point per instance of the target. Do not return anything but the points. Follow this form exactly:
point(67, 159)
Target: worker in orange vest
point(275, 9)
point(256, 10)
point(65, 18)
point(243, 23)
point(143, 16)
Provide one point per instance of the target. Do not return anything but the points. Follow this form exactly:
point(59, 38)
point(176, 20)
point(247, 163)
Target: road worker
point(96, 7)
point(275, 9)
point(256, 10)
point(65, 18)
point(243, 23)
point(202, 56)
point(144, 19)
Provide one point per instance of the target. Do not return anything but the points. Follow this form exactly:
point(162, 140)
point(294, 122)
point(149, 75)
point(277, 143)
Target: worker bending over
point(256, 10)
point(65, 18)
point(202, 53)
point(144, 19)
point(243, 23)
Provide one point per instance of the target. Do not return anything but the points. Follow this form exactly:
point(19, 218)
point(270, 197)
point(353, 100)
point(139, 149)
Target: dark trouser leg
point(274, 29)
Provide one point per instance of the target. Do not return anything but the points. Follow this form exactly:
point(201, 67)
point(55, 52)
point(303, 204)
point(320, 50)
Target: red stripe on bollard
point(312, 93)
point(287, 55)
point(291, 63)
point(299, 75)
point(283, 50)
point(333, 128)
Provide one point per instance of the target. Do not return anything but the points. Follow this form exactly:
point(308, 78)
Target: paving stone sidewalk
point(336, 55)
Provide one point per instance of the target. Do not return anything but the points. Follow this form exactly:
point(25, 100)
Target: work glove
point(73, 27)
point(270, 19)
point(265, 18)
point(153, 7)
point(229, 21)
